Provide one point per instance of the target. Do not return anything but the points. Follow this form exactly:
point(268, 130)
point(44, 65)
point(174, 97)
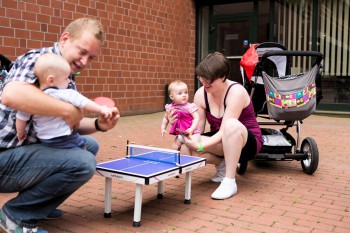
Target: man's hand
point(109, 123)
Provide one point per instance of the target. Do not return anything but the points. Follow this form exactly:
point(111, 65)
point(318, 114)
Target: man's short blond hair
point(94, 26)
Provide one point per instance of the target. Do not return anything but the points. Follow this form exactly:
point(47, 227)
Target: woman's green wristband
point(200, 147)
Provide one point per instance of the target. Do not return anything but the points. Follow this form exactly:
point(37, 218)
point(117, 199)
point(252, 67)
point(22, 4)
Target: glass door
point(232, 37)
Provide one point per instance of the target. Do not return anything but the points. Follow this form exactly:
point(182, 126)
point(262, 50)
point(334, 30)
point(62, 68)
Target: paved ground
point(272, 196)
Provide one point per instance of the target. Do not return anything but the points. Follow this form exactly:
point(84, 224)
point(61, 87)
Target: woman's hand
point(172, 116)
point(190, 143)
point(189, 131)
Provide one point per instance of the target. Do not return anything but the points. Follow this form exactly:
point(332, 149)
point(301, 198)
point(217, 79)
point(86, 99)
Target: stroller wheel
point(309, 147)
point(242, 168)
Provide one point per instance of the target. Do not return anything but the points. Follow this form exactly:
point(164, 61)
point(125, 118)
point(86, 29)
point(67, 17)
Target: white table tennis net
point(153, 154)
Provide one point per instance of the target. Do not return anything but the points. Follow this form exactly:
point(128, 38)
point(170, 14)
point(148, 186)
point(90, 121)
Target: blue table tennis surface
point(144, 167)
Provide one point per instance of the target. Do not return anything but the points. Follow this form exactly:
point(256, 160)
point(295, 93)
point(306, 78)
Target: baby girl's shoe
point(180, 138)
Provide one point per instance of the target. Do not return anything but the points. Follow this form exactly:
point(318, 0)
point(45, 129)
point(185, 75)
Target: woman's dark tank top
point(247, 118)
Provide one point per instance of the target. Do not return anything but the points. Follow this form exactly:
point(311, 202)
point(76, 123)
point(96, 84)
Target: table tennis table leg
point(138, 205)
point(108, 197)
point(160, 190)
point(188, 188)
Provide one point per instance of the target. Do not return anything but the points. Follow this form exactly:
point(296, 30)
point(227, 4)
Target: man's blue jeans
point(44, 177)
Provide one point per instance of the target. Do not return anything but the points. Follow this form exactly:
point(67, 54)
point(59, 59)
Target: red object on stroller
point(249, 61)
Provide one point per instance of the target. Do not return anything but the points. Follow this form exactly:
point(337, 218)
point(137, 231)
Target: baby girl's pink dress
point(184, 117)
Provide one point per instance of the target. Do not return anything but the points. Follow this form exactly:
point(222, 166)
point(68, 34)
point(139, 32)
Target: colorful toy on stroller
point(282, 85)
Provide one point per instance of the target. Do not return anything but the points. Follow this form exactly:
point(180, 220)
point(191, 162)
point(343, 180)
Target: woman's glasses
point(203, 79)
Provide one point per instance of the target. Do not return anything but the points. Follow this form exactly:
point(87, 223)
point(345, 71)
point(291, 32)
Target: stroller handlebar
point(318, 55)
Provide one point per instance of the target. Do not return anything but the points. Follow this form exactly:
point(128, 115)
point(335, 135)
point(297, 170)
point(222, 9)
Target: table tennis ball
point(180, 138)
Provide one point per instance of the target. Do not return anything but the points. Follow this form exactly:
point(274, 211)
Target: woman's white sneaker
point(227, 188)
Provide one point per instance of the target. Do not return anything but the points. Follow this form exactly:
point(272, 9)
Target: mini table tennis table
point(145, 172)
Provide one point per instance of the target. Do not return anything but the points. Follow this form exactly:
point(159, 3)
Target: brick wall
point(149, 44)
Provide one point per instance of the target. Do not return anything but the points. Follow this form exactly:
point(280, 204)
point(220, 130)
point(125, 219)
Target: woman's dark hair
point(213, 66)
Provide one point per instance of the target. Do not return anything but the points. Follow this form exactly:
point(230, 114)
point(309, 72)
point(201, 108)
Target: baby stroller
point(5, 66)
point(282, 85)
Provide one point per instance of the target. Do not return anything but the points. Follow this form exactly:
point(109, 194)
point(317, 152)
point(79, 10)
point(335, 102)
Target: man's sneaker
point(10, 227)
point(220, 172)
point(55, 214)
